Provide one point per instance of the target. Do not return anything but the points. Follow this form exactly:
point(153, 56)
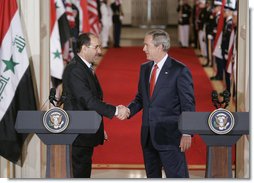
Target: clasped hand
point(123, 112)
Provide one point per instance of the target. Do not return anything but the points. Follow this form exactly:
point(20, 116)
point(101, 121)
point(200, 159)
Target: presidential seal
point(221, 121)
point(55, 120)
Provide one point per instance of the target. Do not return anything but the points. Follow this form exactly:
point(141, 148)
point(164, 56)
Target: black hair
point(83, 39)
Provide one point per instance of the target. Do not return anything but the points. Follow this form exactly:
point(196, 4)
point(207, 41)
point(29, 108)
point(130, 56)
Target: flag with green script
point(16, 86)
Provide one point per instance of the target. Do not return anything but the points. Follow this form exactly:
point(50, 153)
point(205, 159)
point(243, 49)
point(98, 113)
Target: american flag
point(69, 13)
point(93, 15)
point(231, 52)
point(218, 38)
point(85, 26)
point(219, 26)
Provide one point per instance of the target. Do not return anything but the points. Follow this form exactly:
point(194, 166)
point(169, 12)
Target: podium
point(81, 122)
point(197, 123)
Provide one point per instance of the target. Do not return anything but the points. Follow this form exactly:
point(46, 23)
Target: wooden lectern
point(80, 122)
point(217, 165)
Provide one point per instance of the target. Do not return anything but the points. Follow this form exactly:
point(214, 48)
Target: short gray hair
point(160, 37)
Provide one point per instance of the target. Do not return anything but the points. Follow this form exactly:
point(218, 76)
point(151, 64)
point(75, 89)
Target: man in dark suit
point(165, 90)
point(118, 14)
point(84, 92)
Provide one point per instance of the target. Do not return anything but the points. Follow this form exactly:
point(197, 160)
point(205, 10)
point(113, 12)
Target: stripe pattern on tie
point(153, 79)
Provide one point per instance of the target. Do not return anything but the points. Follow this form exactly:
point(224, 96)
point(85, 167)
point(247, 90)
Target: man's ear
point(83, 48)
point(161, 47)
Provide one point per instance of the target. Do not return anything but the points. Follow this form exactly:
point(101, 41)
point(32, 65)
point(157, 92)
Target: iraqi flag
point(56, 58)
point(16, 86)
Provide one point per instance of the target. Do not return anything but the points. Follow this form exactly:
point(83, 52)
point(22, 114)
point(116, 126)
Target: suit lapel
point(147, 78)
point(162, 77)
point(91, 77)
point(80, 61)
point(98, 86)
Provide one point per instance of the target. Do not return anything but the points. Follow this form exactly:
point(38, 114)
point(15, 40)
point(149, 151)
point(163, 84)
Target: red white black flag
point(16, 87)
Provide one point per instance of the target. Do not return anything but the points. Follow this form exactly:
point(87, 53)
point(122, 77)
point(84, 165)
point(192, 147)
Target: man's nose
point(144, 48)
point(99, 51)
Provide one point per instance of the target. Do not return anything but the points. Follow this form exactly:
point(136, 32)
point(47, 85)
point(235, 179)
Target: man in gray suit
point(165, 90)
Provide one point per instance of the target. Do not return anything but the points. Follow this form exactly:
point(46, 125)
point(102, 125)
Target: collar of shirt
point(160, 65)
point(87, 63)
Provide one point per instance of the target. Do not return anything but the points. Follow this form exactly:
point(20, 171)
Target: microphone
point(52, 96)
point(215, 98)
point(226, 97)
point(62, 99)
point(226, 94)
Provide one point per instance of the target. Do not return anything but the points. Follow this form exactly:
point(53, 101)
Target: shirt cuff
point(116, 113)
point(187, 135)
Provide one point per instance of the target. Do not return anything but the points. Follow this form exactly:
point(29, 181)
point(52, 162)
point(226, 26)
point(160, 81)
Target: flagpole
point(44, 72)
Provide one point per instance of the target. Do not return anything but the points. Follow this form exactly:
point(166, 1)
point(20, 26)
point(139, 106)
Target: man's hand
point(185, 143)
point(123, 112)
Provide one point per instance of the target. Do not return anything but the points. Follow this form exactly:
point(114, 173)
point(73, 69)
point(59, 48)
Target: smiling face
point(156, 45)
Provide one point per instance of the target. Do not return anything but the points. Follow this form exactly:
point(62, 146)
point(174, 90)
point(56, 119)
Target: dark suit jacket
point(173, 94)
point(84, 93)
point(116, 9)
point(186, 14)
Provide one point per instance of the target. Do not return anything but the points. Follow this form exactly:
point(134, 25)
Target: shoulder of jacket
point(147, 63)
point(74, 64)
point(177, 63)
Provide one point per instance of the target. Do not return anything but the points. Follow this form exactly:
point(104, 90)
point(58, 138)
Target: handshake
point(123, 112)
